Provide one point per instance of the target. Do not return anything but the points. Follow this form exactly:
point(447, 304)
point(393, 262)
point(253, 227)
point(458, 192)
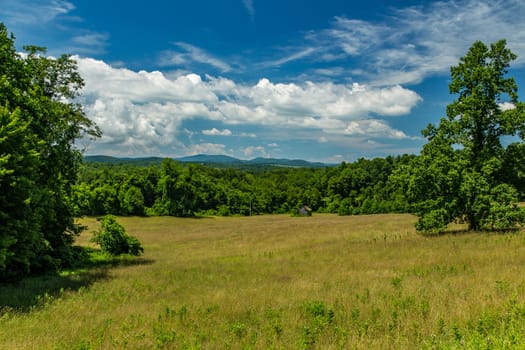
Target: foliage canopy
point(459, 174)
point(114, 240)
point(39, 123)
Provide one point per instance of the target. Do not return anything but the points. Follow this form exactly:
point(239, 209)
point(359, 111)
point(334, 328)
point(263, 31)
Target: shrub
point(114, 240)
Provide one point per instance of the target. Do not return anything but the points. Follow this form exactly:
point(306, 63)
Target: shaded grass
point(276, 282)
point(36, 291)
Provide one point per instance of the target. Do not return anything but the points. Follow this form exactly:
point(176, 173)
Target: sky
point(329, 81)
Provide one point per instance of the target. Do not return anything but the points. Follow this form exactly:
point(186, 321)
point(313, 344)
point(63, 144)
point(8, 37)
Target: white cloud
point(217, 132)
point(255, 151)
point(415, 42)
point(206, 148)
point(142, 86)
point(147, 110)
point(374, 128)
point(330, 72)
point(52, 24)
point(18, 12)
point(91, 43)
point(505, 106)
point(192, 54)
point(292, 57)
point(331, 101)
point(355, 36)
point(92, 39)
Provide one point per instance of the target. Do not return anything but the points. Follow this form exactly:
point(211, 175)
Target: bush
point(114, 240)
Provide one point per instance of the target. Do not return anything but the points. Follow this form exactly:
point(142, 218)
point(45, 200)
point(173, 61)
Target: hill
point(212, 160)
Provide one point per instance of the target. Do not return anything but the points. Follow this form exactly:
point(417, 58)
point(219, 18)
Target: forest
point(468, 171)
point(180, 189)
point(366, 186)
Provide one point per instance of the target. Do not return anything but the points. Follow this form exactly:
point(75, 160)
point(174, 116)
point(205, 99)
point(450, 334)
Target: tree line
point(180, 189)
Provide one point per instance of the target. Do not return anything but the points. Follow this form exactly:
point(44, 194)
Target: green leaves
point(459, 172)
point(20, 237)
point(114, 240)
point(39, 124)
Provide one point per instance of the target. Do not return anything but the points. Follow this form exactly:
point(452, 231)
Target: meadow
point(280, 282)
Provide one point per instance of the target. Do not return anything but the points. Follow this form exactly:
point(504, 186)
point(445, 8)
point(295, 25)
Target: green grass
point(279, 282)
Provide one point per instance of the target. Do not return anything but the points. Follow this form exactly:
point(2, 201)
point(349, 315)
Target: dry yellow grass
point(279, 282)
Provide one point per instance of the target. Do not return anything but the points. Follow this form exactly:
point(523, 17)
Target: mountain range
point(215, 160)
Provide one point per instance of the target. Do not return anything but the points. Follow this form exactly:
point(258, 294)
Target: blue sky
point(330, 80)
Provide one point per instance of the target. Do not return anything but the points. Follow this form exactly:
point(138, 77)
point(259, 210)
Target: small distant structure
point(305, 210)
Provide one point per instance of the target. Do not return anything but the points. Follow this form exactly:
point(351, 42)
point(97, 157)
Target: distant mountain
point(101, 159)
point(222, 159)
point(117, 160)
point(215, 160)
point(298, 163)
point(205, 158)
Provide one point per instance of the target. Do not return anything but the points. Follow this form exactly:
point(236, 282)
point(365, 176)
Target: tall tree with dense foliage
point(37, 100)
point(20, 234)
point(458, 175)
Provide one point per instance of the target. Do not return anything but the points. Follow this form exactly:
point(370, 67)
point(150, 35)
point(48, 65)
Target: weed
point(485, 324)
point(183, 311)
point(238, 329)
point(441, 326)
point(315, 308)
point(394, 322)
point(277, 327)
point(396, 282)
point(276, 324)
point(269, 254)
point(375, 315)
point(308, 338)
point(502, 287)
point(163, 338)
point(168, 313)
point(365, 297)
point(424, 309)
point(354, 315)
point(457, 334)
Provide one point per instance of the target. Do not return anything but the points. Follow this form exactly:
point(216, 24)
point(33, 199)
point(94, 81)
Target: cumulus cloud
point(255, 151)
point(206, 148)
point(147, 110)
point(141, 87)
point(217, 132)
point(374, 128)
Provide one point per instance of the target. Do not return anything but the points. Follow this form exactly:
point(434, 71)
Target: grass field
point(280, 282)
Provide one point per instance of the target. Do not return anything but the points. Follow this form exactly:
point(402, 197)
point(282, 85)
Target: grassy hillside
point(277, 282)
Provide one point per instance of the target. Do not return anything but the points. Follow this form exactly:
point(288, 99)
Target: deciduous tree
point(37, 95)
point(457, 175)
